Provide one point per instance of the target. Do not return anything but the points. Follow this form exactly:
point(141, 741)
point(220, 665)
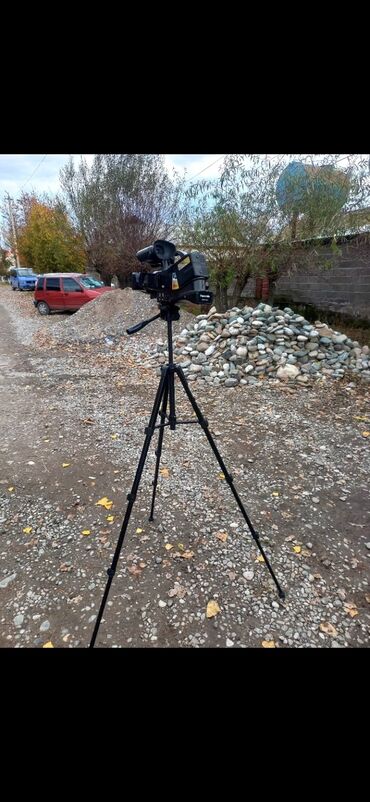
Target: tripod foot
point(281, 594)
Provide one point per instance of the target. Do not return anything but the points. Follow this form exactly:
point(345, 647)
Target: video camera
point(183, 280)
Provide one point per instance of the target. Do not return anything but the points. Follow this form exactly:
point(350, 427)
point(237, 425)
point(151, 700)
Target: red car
point(65, 291)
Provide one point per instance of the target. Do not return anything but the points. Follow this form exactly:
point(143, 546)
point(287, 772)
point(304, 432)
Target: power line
point(36, 168)
point(204, 169)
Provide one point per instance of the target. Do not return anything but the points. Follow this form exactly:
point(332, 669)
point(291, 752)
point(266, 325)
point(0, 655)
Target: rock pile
point(243, 345)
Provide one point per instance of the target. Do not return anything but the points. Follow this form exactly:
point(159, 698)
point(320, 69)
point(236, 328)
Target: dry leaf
point(212, 609)
point(110, 518)
point(181, 546)
point(168, 546)
point(274, 494)
point(328, 629)
point(268, 644)
point(297, 549)
point(221, 476)
point(48, 645)
point(351, 609)
point(164, 472)
point(222, 536)
point(27, 530)
point(361, 417)
point(260, 559)
point(187, 555)
point(104, 502)
point(178, 591)
point(114, 436)
point(66, 464)
point(66, 638)
point(366, 434)
point(66, 567)
point(138, 531)
point(135, 570)
point(88, 421)
point(10, 489)
point(86, 532)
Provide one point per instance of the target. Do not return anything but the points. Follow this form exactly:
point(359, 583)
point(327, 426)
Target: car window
point(25, 271)
point(87, 281)
point(53, 284)
point(71, 285)
point(40, 283)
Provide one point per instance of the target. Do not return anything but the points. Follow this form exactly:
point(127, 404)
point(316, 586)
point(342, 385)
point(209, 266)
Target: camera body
point(183, 280)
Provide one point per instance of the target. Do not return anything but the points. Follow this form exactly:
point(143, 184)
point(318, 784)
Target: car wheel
point(43, 308)
point(14, 289)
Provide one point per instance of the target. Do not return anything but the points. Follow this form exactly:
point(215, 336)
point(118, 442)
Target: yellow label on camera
point(184, 262)
point(175, 283)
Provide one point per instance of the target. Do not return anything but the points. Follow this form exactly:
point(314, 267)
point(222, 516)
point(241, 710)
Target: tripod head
point(167, 312)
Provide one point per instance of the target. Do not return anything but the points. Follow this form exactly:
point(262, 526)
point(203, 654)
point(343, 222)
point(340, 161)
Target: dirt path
point(300, 461)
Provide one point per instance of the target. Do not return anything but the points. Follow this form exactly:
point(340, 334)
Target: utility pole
point(11, 214)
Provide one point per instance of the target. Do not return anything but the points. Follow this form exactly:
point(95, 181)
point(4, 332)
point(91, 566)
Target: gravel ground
point(72, 427)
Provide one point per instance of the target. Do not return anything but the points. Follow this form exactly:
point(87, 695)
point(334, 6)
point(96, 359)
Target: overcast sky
point(41, 172)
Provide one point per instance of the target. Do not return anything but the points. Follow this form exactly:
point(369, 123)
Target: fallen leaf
point(260, 559)
point(361, 417)
point(168, 546)
point(110, 518)
point(164, 472)
point(88, 421)
point(351, 609)
point(181, 546)
point(104, 502)
point(187, 555)
point(138, 531)
point(268, 644)
point(366, 434)
point(222, 536)
point(135, 570)
point(178, 591)
point(48, 645)
point(86, 532)
point(297, 549)
point(114, 436)
point(306, 553)
point(328, 629)
point(274, 494)
point(66, 464)
point(212, 609)
point(27, 530)
point(66, 567)
point(10, 489)
point(66, 638)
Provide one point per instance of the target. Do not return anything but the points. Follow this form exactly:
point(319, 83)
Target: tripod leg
point(159, 448)
point(229, 479)
point(131, 498)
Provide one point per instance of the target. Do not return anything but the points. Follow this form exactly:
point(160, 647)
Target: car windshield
point(87, 281)
point(25, 271)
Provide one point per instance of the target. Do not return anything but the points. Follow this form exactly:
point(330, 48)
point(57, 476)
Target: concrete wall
point(342, 287)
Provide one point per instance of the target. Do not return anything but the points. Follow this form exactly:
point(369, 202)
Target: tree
point(237, 221)
point(122, 203)
point(47, 239)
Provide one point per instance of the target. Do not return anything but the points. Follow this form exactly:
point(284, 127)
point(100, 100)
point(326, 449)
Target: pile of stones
point(241, 346)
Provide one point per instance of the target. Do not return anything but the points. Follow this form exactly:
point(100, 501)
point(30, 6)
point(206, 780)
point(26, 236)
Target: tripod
point(165, 399)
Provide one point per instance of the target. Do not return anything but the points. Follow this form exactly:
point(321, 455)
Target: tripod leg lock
point(131, 497)
point(111, 573)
